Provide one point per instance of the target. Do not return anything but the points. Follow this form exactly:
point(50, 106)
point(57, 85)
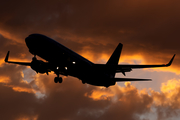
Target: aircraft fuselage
point(67, 61)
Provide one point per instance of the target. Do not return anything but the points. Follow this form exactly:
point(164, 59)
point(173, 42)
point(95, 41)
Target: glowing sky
point(148, 30)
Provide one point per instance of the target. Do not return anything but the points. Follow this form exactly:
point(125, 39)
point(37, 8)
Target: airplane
point(64, 61)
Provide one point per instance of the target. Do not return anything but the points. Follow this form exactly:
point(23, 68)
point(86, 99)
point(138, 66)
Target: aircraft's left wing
point(119, 67)
point(19, 63)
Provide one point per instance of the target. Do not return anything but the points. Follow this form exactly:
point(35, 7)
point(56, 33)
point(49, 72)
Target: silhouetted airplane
point(64, 61)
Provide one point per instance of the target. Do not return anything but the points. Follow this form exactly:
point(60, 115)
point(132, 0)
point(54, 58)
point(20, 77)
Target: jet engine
point(39, 66)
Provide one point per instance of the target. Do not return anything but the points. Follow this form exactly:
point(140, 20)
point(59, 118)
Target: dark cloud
point(17, 50)
point(74, 100)
point(68, 101)
point(146, 27)
point(16, 105)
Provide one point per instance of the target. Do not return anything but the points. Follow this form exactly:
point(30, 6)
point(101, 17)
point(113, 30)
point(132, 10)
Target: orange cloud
point(100, 94)
point(28, 118)
point(11, 36)
point(1, 62)
point(95, 57)
point(169, 95)
point(4, 79)
point(21, 89)
point(128, 95)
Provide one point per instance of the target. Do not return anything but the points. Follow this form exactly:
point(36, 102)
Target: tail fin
point(113, 61)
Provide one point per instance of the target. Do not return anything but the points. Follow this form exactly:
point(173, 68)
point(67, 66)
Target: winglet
point(7, 56)
point(170, 62)
point(113, 60)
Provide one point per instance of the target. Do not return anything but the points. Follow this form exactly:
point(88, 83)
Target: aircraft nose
point(29, 41)
point(33, 40)
point(32, 43)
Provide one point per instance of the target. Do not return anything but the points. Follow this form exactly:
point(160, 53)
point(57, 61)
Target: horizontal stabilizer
point(129, 79)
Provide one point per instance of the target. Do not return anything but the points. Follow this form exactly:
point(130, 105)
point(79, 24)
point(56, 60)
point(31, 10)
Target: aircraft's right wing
point(128, 68)
point(129, 79)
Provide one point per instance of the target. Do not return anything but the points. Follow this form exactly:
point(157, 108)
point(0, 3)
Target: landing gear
point(58, 79)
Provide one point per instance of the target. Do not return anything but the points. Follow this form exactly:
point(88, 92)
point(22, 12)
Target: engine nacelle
point(39, 66)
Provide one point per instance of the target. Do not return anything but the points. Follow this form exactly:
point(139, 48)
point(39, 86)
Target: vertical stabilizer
point(113, 61)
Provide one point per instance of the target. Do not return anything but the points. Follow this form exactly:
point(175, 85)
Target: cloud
point(17, 50)
point(16, 104)
point(169, 95)
point(71, 100)
point(149, 31)
point(74, 100)
point(167, 101)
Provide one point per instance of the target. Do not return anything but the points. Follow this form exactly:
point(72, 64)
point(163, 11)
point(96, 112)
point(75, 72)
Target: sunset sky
point(149, 31)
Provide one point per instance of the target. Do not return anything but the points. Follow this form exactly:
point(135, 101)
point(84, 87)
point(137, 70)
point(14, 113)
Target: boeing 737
point(64, 61)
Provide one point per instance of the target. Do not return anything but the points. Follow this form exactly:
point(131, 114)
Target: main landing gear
point(58, 79)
